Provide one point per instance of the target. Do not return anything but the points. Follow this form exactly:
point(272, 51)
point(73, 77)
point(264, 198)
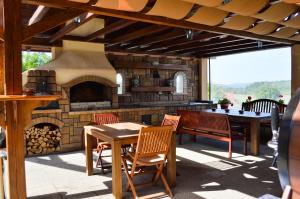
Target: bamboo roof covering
point(276, 22)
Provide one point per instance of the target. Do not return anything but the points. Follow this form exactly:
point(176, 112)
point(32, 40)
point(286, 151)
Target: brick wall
point(130, 98)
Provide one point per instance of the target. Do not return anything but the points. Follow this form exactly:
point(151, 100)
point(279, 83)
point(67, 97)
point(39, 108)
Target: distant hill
point(257, 90)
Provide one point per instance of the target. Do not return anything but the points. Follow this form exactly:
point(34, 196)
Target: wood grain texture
point(116, 170)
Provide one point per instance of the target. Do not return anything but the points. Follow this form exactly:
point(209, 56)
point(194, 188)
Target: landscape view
point(238, 93)
point(260, 74)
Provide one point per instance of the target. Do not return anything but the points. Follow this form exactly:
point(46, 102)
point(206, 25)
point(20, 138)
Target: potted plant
point(224, 103)
point(281, 100)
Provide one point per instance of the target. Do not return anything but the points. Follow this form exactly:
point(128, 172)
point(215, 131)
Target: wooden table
point(247, 117)
point(117, 135)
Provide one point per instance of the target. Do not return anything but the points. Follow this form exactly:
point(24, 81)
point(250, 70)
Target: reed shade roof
point(174, 9)
point(259, 17)
point(208, 16)
point(239, 22)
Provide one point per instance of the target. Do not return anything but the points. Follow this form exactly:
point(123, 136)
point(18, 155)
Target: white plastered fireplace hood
point(77, 59)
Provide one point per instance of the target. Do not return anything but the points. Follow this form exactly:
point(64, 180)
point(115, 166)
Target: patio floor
point(204, 172)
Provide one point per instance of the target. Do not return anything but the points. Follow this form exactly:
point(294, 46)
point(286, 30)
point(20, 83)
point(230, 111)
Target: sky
point(266, 65)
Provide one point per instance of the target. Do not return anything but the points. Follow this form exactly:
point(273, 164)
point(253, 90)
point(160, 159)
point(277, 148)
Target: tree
point(266, 92)
point(32, 60)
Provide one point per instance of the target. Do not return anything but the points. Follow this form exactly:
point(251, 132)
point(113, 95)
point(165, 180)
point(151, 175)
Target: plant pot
point(224, 106)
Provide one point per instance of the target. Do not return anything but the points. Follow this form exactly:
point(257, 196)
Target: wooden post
point(11, 61)
point(203, 79)
point(295, 76)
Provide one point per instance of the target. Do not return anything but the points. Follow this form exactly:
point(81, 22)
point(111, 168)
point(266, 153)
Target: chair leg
point(129, 178)
point(274, 162)
point(245, 143)
point(99, 160)
point(167, 187)
point(230, 149)
point(161, 175)
point(180, 138)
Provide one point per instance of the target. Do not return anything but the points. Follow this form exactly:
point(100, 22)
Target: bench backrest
point(203, 121)
point(263, 105)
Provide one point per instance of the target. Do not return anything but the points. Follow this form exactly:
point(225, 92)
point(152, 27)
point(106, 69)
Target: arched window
point(120, 83)
point(180, 83)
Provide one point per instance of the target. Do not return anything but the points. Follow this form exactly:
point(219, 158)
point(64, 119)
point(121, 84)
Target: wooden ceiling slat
point(52, 21)
point(137, 34)
point(213, 42)
point(110, 28)
point(181, 41)
point(38, 15)
point(249, 49)
point(164, 37)
point(229, 46)
point(84, 18)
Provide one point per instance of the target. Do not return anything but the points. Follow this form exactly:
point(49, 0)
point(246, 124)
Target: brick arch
point(91, 78)
point(45, 120)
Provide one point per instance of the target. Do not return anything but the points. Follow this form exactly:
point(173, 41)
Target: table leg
point(255, 135)
point(171, 166)
point(88, 154)
point(116, 170)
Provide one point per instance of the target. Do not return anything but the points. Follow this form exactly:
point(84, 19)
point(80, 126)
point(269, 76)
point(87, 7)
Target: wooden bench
point(210, 125)
point(263, 105)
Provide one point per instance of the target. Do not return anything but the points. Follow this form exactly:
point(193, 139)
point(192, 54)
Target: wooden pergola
point(137, 27)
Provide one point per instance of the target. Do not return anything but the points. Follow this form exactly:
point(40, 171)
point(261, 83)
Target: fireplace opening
point(90, 96)
point(42, 138)
point(90, 92)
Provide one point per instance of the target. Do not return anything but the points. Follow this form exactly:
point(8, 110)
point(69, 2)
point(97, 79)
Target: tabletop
point(245, 114)
point(116, 131)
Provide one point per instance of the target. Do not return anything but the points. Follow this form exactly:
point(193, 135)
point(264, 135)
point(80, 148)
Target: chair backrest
point(105, 118)
point(275, 118)
point(203, 121)
point(153, 141)
point(263, 105)
point(171, 120)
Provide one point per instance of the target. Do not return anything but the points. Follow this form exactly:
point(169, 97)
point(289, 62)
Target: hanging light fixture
point(77, 20)
point(259, 44)
point(189, 34)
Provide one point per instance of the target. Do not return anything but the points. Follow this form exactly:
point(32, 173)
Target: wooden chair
point(263, 105)
point(171, 120)
point(98, 119)
point(211, 125)
point(152, 149)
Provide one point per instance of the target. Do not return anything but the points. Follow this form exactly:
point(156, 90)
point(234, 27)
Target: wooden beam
point(1, 21)
point(60, 17)
point(147, 65)
point(12, 63)
point(196, 45)
point(120, 51)
point(84, 18)
point(38, 14)
point(242, 50)
point(147, 41)
point(154, 19)
point(218, 46)
point(181, 41)
point(241, 46)
point(137, 34)
point(109, 29)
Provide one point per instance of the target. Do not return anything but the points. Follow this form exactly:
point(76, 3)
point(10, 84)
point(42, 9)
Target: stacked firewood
point(42, 140)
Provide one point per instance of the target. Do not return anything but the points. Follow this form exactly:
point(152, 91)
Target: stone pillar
point(203, 79)
point(295, 76)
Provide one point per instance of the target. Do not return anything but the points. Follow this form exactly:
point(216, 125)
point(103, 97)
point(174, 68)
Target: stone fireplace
point(86, 81)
